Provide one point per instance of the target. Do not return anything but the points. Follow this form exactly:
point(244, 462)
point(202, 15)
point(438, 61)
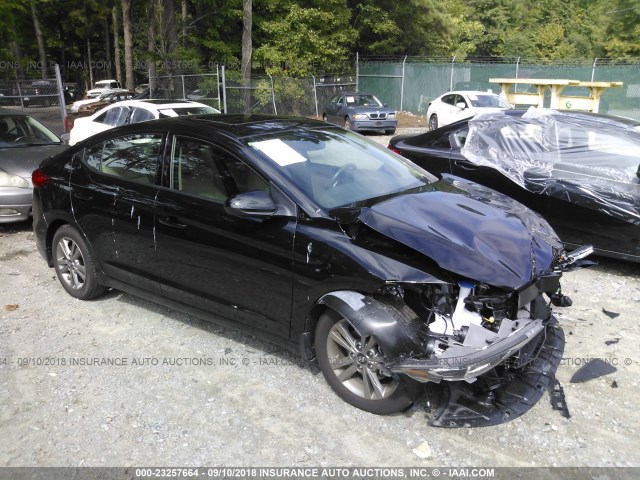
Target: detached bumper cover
point(504, 393)
point(462, 363)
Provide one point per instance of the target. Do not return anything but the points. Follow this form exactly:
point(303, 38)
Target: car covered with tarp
point(578, 169)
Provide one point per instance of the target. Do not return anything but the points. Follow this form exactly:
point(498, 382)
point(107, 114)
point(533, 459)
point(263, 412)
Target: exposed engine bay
point(493, 351)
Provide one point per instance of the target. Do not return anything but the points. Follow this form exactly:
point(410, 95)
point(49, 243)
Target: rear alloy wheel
point(347, 123)
point(433, 122)
point(353, 365)
point(74, 265)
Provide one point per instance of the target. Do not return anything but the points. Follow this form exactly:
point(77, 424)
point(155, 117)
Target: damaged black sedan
point(317, 238)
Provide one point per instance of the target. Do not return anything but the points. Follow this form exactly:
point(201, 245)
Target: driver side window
point(204, 170)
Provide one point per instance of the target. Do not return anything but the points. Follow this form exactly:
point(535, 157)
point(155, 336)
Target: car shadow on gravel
point(16, 227)
point(253, 344)
point(424, 406)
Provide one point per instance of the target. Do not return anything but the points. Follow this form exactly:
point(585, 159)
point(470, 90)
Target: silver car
point(24, 143)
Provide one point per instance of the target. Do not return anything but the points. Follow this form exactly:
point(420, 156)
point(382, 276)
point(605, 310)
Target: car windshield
point(21, 131)
point(363, 101)
point(488, 101)
point(179, 112)
point(334, 168)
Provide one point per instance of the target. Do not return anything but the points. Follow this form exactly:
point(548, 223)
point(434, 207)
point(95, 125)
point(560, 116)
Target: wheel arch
point(53, 227)
point(395, 332)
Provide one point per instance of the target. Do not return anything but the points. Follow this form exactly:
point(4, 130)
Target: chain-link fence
point(408, 84)
point(225, 90)
point(43, 99)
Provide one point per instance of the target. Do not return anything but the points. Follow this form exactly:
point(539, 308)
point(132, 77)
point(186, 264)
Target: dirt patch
point(411, 120)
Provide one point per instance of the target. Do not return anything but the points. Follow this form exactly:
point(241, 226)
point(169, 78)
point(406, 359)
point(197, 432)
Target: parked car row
point(393, 273)
point(323, 241)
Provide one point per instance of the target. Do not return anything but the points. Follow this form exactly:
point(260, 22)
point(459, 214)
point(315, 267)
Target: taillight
point(68, 124)
point(39, 179)
point(394, 149)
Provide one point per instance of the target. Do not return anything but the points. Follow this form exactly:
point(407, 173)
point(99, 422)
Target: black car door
point(210, 258)
point(113, 189)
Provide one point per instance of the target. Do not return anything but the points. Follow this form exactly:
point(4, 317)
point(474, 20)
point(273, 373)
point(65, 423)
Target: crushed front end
point(490, 352)
point(498, 350)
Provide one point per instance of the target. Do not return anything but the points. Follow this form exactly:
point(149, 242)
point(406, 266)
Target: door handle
point(171, 222)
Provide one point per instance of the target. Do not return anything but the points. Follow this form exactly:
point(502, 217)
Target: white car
point(134, 111)
point(102, 86)
point(453, 106)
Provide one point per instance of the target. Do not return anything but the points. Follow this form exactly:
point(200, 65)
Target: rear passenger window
point(130, 157)
point(141, 115)
point(114, 116)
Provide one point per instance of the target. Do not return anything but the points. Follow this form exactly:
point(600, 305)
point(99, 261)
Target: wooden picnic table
point(590, 102)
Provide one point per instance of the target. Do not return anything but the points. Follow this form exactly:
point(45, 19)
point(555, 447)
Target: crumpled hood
point(469, 230)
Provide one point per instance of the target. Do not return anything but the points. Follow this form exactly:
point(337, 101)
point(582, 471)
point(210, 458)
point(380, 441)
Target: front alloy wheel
point(353, 365)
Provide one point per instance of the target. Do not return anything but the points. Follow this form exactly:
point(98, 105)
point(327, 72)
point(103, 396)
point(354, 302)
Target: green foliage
point(302, 37)
point(623, 31)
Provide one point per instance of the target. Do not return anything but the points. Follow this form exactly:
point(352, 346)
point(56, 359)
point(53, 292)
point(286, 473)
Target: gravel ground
point(253, 404)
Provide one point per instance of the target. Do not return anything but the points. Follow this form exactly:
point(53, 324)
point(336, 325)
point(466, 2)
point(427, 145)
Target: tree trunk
point(90, 62)
point(184, 23)
point(116, 42)
point(16, 53)
point(107, 47)
point(128, 45)
point(247, 47)
point(151, 47)
point(39, 39)
point(169, 15)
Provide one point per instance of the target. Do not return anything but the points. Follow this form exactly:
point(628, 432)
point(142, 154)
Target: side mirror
point(252, 204)
point(638, 173)
point(461, 105)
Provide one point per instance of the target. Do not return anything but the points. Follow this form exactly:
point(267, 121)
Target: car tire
point(433, 122)
point(74, 264)
point(390, 132)
point(354, 382)
point(347, 123)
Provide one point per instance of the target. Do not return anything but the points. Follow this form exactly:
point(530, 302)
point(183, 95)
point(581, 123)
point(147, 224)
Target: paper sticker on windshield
point(351, 99)
point(278, 151)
